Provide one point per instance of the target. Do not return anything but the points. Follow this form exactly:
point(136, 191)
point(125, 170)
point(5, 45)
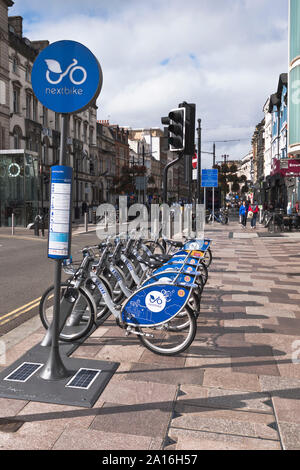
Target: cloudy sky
point(223, 55)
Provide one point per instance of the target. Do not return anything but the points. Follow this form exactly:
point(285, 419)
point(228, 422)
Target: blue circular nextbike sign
point(66, 77)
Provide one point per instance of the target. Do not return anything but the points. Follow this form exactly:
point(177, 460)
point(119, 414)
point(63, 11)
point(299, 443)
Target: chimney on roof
point(39, 45)
point(104, 122)
point(17, 23)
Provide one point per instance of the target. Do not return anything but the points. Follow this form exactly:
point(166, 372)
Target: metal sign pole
point(213, 203)
point(54, 369)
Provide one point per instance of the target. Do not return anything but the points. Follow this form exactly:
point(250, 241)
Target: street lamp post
point(199, 164)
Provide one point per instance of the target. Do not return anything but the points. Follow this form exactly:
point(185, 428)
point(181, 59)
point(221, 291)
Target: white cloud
point(225, 56)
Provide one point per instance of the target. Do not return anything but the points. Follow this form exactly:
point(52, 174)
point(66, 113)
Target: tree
point(125, 183)
point(228, 174)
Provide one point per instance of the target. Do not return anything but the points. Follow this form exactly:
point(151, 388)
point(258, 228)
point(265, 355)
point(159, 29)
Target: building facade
point(96, 152)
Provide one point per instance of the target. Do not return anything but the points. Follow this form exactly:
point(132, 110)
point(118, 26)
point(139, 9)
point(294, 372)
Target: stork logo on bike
point(66, 77)
point(155, 301)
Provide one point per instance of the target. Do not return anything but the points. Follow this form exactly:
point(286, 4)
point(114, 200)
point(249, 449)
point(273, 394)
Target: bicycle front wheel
point(204, 272)
point(207, 257)
point(166, 339)
point(80, 319)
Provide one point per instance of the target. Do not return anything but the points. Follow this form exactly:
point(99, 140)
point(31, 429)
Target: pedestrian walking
point(253, 209)
point(243, 214)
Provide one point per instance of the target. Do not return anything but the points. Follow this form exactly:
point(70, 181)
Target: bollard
point(86, 221)
point(12, 223)
point(36, 227)
point(43, 225)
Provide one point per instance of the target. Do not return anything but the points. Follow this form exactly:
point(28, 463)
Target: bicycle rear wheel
point(166, 339)
point(81, 318)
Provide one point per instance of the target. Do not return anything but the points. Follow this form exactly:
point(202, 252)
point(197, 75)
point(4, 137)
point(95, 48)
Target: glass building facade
point(19, 187)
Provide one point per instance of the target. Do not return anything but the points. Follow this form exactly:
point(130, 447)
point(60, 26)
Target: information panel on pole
point(59, 238)
point(209, 178)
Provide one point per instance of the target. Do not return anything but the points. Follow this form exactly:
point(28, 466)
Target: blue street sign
point(66, 77)
point(209, 178)
point(59, 238)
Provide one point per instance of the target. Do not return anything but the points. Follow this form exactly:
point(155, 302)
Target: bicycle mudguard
point(154, 304)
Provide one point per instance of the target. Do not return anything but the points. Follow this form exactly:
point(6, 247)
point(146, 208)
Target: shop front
point(19, 187)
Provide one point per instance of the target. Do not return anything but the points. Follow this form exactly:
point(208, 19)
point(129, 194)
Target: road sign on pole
point(66, 77)
point(194, 165)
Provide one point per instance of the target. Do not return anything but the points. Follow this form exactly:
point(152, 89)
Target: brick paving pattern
point(236, 387)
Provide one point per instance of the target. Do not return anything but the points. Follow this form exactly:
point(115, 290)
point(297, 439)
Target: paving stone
point(57, 415)
point(224, 421)
point(199, 440)
point(157, 395)
point(127, 353)
point(149, 357)
point(10, 407)
point(246, 297)
point(99, 332)
point(89, 348)
point(239, 400)
point(91, 439)
point(141, 422)
point(32, 436)
point(287, 409)
point(284, 387)
point(162, 374)
point(230, 380)
point(268, 311)
point(257, 359)
point(290, 435)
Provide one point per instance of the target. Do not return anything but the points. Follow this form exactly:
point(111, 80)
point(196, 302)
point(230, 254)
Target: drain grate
point(24, 372)
point(83, 378)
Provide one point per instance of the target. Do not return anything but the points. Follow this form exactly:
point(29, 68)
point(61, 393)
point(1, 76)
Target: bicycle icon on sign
point(54, 67)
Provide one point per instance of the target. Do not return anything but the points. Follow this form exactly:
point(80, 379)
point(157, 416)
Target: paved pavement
point(236, 387)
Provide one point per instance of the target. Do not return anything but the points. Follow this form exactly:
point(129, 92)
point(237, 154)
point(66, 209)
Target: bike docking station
point(46, 373)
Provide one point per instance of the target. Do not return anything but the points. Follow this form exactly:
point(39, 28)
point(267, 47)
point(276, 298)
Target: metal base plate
point(55, 391)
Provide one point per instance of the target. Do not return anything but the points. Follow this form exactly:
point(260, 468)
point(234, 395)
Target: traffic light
point(181, 128)
point(189, 131)
point(176, 129)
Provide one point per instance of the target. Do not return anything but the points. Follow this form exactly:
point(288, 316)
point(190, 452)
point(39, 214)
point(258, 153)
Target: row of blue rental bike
point(152, 288)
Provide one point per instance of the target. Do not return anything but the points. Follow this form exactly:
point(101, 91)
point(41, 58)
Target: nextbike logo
point(75, 73)
point(155, 301)
point(66, 77)
point(55, 68)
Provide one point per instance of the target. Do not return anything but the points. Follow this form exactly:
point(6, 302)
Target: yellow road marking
point(20, 308)
point(20, 313)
